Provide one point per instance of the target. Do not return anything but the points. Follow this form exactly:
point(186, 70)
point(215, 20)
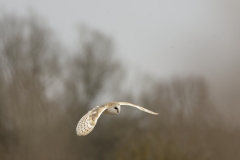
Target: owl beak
point(119, 110)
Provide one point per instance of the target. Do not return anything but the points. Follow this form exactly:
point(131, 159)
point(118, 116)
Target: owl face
point(113, 108)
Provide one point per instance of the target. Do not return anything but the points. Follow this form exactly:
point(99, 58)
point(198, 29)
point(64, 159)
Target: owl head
point(113, 108)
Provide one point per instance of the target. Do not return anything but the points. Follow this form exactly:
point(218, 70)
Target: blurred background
point(59, 59)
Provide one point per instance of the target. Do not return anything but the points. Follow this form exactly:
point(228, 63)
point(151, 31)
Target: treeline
point(45, 89)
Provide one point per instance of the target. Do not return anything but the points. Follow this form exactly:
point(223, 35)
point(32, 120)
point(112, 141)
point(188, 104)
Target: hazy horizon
point(158, 38)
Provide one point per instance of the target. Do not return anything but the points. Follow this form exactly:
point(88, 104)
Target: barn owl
point(89, 120)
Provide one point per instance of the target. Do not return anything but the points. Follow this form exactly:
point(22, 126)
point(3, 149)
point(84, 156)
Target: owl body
point(89, 120)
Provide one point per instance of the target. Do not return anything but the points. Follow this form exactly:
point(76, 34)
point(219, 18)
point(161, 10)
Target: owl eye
point(116, 109)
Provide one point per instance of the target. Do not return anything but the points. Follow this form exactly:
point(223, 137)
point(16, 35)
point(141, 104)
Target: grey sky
point(162, 38)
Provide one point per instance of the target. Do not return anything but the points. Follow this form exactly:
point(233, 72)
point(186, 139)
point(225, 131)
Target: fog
point(60, 59)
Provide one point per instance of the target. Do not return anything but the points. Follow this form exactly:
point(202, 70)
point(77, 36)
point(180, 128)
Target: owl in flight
point(89, 120)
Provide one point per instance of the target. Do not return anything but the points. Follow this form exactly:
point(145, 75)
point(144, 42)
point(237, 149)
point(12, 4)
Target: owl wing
point(141, 108)
point(89, 120)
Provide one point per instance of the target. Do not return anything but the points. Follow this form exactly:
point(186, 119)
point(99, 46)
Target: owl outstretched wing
point(141, 108)
point(89, 120)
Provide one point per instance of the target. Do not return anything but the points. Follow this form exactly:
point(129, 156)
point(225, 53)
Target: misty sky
point(160, 38)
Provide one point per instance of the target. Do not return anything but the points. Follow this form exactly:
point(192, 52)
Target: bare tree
point(24, 48)
point(183, 130)
point(90, 74)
